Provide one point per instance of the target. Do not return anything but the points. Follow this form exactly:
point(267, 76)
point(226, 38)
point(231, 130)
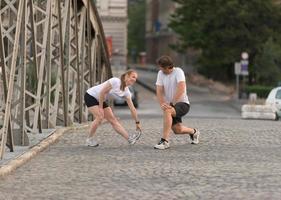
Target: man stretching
point(172, 97)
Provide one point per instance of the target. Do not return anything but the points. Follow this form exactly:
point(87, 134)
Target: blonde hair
point(123, 84)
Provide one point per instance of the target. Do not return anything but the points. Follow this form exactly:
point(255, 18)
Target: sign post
point(237, 71)
point(244, 70)
point(241, 68)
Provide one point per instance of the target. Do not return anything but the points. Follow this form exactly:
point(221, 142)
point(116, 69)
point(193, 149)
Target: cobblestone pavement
point(236, 159)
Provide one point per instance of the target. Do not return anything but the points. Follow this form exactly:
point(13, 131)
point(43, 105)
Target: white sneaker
point(134, 137)
point(91, 142)
point(163, 144)
point(195, 137)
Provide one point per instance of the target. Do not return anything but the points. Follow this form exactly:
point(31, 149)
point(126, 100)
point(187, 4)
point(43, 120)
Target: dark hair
point(165, 62)
point(123, 84)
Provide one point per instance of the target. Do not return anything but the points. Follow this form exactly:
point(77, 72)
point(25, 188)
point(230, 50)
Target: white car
point(274, 99)
point(119, 101)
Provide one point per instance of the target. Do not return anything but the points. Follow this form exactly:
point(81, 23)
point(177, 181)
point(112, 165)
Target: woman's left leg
point(109, 116)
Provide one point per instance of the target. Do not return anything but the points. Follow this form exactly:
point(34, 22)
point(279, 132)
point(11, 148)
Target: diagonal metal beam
point(50, 53)
point(4, 130)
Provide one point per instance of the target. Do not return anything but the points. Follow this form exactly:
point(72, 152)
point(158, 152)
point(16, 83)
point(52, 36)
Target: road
point(236, 159)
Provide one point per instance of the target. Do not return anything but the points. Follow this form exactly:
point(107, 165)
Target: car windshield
point(278, 94)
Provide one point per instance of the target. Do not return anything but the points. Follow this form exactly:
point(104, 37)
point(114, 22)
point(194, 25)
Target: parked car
point(274, 99)
point(119, 101)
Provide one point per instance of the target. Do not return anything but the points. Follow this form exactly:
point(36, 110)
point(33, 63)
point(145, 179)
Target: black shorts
point(92, 101)
point(181, 110)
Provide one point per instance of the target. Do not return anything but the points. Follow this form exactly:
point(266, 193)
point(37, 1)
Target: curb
point(147, 86)
point(41, 146)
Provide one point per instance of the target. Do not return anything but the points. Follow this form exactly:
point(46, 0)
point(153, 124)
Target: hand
point(165, 106)
point(138, 127)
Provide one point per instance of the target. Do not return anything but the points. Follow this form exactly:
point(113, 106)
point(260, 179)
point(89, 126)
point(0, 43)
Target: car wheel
point(135, 101)
point(276, 117)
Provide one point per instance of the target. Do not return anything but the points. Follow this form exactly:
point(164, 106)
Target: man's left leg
point(182, 109)
point(180, 129)
point(193, 132)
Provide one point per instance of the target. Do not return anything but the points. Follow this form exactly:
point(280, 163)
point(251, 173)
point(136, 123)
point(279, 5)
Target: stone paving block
point(236, 159)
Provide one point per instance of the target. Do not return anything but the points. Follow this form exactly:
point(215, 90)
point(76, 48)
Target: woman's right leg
point(94, 110)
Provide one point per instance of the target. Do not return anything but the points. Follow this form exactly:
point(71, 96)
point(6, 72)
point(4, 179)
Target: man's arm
point(160, 94)
point(181, 87)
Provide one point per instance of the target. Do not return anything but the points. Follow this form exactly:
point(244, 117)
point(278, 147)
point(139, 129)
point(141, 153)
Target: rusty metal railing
point(50, 53)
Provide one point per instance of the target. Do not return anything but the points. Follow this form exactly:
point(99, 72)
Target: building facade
point(159, 36)
point(114, 17)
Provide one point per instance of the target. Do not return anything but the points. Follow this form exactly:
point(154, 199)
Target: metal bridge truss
point(51, 51)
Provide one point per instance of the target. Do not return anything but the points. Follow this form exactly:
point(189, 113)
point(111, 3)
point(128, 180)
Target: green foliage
point(136, 26)
point(260, 90)
point(223, 29)
point(268, 63)
point(31, 83)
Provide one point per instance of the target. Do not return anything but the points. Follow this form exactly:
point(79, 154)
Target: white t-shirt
point(115, 91)
point(170, 81)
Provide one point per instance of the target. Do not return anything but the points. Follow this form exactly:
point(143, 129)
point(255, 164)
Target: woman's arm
point(105, 90)
point(133, 112)
point(102, 94)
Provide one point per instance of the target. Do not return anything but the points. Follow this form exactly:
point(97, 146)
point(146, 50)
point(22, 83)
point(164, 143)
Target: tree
point(136, 27)
point(268, 64)
point(223, 29)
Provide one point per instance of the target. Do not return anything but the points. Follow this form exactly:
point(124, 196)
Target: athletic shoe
point(163, 144)
point(91, 142)
point(195, 137)
point(134, 137)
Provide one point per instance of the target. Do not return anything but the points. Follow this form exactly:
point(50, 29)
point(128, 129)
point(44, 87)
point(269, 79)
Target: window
point(278, 94)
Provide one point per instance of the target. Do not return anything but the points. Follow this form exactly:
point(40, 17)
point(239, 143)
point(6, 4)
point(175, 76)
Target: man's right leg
point(167, 124)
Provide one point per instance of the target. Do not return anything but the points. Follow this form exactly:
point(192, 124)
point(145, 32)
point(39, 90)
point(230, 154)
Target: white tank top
point(170, 81)
point(115, 91)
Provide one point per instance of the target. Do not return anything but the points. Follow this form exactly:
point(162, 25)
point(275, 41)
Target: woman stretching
point(96, 100)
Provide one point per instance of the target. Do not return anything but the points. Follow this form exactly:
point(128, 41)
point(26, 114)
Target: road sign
point(237, 68)
point(244, 67)
point(245, 56)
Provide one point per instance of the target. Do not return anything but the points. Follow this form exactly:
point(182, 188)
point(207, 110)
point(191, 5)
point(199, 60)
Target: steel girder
point(50, 53)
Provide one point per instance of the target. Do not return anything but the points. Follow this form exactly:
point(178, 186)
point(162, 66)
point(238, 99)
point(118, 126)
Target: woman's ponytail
point(123, 76)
